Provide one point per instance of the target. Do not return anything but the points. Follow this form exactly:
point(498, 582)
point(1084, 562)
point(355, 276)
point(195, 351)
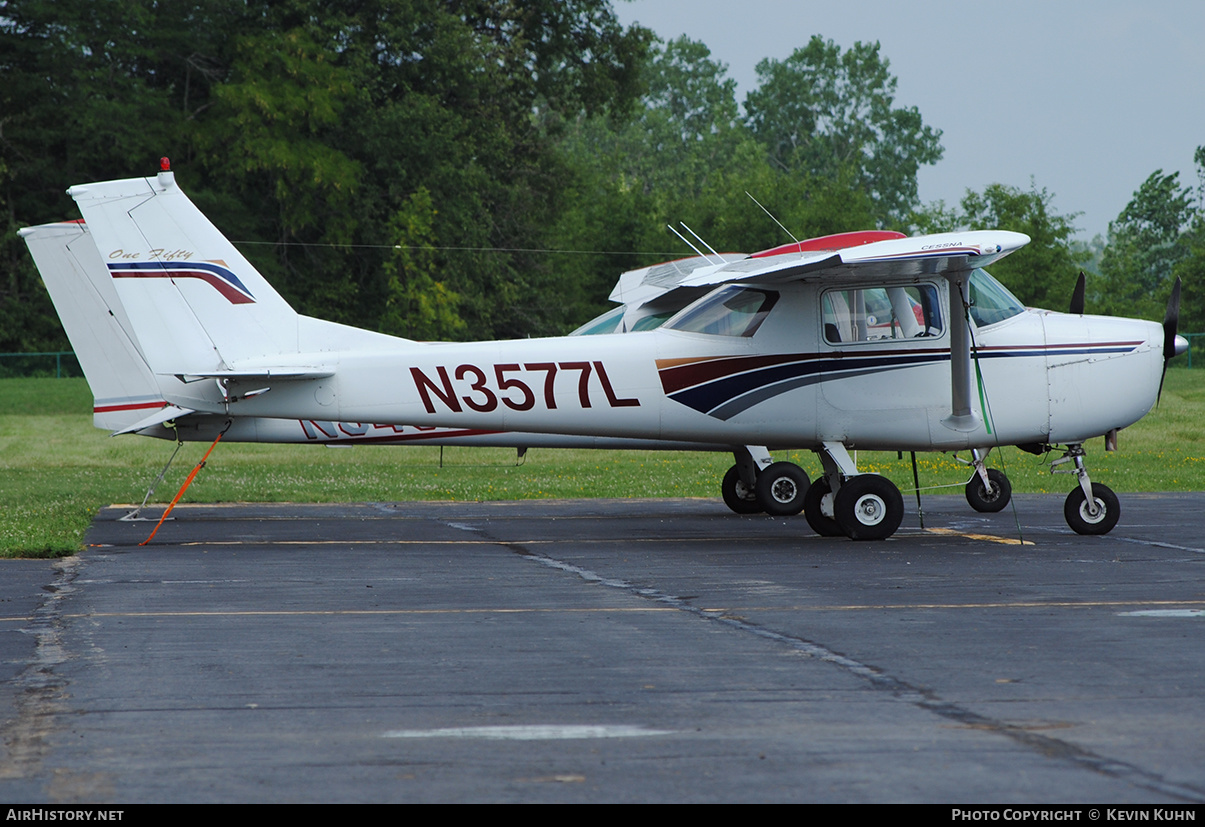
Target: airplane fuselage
point(1041, 377)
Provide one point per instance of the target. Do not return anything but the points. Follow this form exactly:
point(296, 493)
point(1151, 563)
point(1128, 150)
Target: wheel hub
point(784, 490)
point(1093, 511)
point(870, 510)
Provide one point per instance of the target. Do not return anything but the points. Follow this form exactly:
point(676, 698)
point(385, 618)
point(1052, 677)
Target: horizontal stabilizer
point(259, 373)
point(164, 414)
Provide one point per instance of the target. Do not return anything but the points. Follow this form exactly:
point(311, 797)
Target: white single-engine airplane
point(900, 344)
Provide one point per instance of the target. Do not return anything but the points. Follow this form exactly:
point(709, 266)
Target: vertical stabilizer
point(125, 391)
point(195, 303)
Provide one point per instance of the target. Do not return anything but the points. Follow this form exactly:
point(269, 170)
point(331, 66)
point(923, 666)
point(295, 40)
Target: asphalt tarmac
point(609, 651)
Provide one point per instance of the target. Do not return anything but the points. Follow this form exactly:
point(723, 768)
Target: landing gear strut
point(1092, 508)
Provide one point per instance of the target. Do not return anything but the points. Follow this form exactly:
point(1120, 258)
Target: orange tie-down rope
point(184, 487)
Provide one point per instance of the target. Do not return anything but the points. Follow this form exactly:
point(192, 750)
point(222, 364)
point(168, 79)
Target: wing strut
point(962, 416)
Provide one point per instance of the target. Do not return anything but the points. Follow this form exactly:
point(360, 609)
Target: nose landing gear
point(988, 490)
point(1092, 508)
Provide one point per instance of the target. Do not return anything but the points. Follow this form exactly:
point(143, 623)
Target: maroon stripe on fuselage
point(675, 377)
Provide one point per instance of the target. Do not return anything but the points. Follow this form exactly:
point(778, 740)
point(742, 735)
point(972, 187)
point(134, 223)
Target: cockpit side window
point(877, 313)
point(730, 311)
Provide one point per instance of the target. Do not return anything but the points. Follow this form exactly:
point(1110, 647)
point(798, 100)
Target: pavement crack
point(922, 698)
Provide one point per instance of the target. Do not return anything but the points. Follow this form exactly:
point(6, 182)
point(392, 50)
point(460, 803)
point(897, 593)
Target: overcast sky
point(1086, 97)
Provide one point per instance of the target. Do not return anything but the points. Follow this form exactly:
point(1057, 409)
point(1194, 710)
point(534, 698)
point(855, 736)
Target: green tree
point(309, 132)
point(1147, 241)
point(685, 155)
point(1043, 272)
point(91, 91)
point(1191, 267)
point(823, 111)
point(417, 303)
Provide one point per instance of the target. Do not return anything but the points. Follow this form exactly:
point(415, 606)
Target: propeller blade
point(1171, 320)
point(1077, 296)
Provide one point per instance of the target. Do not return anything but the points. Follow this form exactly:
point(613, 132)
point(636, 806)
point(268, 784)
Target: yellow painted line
point(991, 538)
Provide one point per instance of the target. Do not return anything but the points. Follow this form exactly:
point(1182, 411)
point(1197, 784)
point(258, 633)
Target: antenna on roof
point(686, 241)
point(700, 238)
point(775, 220)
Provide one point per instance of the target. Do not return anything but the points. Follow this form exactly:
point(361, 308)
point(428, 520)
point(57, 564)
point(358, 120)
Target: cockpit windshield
point(990, 300)
point(730, 311)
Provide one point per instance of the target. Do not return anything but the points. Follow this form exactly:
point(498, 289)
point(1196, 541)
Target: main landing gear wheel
point(822, 525)
point(1080, 518)
point(781, 489)
point(985, 501)
point(868, 507)
point(738, 496)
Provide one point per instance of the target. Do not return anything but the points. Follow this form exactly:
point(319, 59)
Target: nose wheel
point(1095, 517)
point(990, 497)
point(1090, 508)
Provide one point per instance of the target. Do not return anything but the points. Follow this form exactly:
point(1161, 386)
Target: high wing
point(646, 284)
point(660, 289)
point(915, 256)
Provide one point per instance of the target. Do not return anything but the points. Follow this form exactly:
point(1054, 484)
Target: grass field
point(56, 470)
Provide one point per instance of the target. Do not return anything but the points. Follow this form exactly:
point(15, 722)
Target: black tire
point(1075, 510)
point(869, 507)
point(989, 502)
point(781, 488)
point(824, 526)
point(738, 496)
